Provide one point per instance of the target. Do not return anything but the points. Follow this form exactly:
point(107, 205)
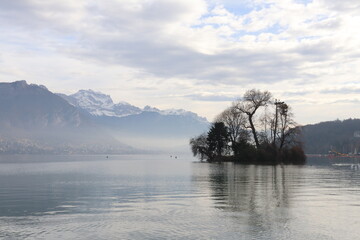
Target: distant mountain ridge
point(100, 104)
point(148, 126)
point(35, 120)
point(335, 135)
point(23, 105)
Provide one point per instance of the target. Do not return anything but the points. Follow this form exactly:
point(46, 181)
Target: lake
point(159, 197)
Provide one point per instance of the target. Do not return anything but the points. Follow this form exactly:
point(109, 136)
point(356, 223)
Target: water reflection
point(162, 199)
point(258, 197)
point(241, 187)
point(284, 202)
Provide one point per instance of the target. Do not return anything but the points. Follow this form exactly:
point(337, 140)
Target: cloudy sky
point(193, 54)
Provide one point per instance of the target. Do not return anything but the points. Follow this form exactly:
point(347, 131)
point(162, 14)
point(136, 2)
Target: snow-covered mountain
point(100, 104)
point(35, 120)
point(175, 112)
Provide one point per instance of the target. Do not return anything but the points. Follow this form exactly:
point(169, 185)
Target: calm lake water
point(158, 197)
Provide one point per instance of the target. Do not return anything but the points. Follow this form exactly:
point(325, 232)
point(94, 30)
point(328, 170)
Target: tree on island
point(217, 138)
point(200, 147)
point(251, 102)
point(213, 145)
point(256, 130)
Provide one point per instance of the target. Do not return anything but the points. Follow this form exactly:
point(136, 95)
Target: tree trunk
point(254, 132)
point(275, 125)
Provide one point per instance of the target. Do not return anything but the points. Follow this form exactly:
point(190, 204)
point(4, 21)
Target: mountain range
point(100, 104)
point(35, 120)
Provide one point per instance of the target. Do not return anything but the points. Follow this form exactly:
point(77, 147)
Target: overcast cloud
point(192, 54)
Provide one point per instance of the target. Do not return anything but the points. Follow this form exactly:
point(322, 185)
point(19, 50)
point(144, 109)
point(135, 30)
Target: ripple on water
point(209, 201)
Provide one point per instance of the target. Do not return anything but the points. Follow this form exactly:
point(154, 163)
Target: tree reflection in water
point(258, 197)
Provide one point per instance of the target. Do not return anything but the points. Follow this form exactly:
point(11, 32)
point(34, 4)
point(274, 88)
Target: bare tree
point(267, 121)
point(251, 102)
point(278, 106)
point(235, 121)
point(282, 125)
point(274, 133)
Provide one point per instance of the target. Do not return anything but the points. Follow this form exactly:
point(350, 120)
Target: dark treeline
point(256, 129)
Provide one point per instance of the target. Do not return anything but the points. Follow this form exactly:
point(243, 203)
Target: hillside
point(34, 120)
point(147, 128)
point(332, 135)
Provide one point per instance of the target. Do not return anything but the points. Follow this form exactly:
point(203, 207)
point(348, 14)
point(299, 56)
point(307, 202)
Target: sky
point(199, 55)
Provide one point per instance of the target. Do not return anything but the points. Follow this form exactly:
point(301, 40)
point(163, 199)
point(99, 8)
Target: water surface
point(158, 197)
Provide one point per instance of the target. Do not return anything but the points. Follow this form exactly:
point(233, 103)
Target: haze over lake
point(158, 197)
point(102, 103)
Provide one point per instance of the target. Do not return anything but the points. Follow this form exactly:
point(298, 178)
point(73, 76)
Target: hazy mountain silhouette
point(33, 119)
point(153, 124)
point(332, 135)
point(146, 127)
point(100, 104)
point(34, 107)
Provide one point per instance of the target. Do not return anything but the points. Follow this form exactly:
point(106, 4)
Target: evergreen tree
point(218, 139)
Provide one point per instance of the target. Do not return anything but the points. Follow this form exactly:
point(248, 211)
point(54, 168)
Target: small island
point(255, 129)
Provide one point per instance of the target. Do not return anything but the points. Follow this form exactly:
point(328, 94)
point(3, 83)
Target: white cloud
point(151, 50)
